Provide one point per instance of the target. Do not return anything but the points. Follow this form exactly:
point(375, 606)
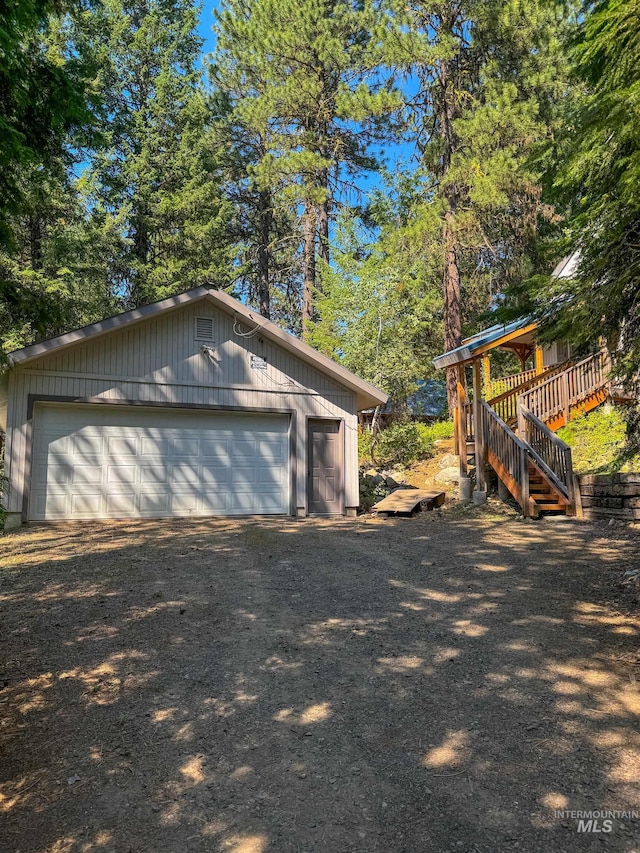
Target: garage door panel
point(266, 476)
point(184, 474)
point(153, 474)
point(122, 446)
point(215, 503)
point(84, 445)
point(184, 446)
point(113, 462)
point(154, 446)
point(186, 504)
point(215, 451)
point(217, 476)
point(87, 474)
point(121, 504)
point(150, 504)
point(119, 474)
point(85, 505)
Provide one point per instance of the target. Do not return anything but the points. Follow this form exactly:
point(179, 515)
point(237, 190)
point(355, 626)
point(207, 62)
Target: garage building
point(193, 406)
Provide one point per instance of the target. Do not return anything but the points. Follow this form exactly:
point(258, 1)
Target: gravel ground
point(440, 683)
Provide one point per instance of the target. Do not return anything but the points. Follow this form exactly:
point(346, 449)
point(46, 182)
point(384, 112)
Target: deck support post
point(565, 394)
point(481, 485)
point(461, 423)
point(503, 492)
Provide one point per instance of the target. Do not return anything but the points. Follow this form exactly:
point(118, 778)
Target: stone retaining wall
point(610, 496)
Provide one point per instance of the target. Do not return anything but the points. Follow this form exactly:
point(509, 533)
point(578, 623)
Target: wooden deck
point(407, 501)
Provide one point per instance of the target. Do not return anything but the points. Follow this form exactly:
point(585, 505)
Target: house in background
point(192, 406)
point(427, 403)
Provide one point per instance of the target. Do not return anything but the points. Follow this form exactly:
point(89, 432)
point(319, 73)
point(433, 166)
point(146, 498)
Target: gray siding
point(159, 361)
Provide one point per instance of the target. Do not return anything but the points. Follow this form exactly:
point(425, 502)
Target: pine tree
point(45, 98)
point(266, 255)
point(311, 60)
point(158, 177)
point(483, 69)
point(51, 259)
point(595, 179)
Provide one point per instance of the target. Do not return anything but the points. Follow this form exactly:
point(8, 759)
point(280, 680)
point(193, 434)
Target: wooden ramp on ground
point(406, 501)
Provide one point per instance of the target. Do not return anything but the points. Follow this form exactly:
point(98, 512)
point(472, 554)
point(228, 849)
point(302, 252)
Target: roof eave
point(450, 359)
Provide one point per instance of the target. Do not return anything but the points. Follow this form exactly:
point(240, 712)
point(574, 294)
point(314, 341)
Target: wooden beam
point(523, 351)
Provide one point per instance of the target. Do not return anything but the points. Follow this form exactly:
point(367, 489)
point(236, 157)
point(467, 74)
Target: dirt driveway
point(442, 683)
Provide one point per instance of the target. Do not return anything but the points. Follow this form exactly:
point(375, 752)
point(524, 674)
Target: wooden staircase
point(544, 497)
point(516, 433)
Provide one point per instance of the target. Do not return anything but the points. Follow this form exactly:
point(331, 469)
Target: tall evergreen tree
point(381, 303)
point(595, 179)
point(267, 256)
point(45, 98)
point(50, 260)
point(482, 68)
point(158, 176)
point(311, 60)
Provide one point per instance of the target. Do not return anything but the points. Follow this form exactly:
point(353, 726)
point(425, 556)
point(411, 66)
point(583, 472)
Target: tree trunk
point(264, 212)
point(451, 289)
point(309, 266)
point(451, 272)
point(139, 290)
point(323, 219)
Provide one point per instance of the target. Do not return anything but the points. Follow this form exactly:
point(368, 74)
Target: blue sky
point(206, 22)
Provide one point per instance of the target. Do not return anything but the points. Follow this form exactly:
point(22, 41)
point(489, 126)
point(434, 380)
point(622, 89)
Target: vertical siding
point(159, 361)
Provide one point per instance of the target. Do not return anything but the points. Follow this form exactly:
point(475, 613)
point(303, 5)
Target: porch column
point(486, 374)
point(481, 485)
point(464, 483)
point(539, 360)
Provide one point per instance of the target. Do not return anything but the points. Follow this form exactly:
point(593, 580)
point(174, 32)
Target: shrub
point(398, 444)
point(436, 431)
point(402, 443)
point(365, 446)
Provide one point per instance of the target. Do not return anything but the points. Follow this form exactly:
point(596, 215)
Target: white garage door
point(123, 462)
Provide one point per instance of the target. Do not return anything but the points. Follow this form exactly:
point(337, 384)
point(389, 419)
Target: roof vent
point(204, 329)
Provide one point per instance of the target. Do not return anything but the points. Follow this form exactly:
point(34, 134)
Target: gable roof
point(366, 393)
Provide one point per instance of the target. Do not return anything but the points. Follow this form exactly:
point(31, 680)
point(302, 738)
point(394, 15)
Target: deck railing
point(554, 398)
point(547, 451)
point(504, 384)
point(506, 403)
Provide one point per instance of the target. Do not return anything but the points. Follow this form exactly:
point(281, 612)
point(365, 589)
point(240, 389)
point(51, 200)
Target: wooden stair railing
point(549, 456)
point(507, 455)
point(506, 404)
point(535, 466)
point(579, 388)
point(504, 384)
